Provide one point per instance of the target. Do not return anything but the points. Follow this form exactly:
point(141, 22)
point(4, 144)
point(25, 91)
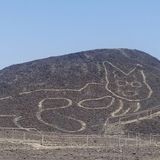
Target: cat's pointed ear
point(110, 68)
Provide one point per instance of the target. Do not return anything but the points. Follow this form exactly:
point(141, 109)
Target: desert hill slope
point(79, 93)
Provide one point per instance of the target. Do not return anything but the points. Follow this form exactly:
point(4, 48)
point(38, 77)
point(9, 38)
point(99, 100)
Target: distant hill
point(82, 93)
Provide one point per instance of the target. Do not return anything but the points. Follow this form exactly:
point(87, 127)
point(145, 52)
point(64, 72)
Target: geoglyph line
point(38, 115)
point(113, 114)
point(125, 112)
point(120, 69)
point(94, 99)
point(123, 53)
point(3, 98)
point(16, 122)
point(18, 125)
point(141, 118)
point(40, 105)
point(152, 115)
point(83, 125)
point(143, 111)
point(8, 115)
point(57, 90)
point(144, 80)
point(138, 107)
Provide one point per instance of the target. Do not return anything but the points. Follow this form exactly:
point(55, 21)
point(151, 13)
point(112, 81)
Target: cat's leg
point(134, 113)
point(127, 108)
point(122, 110)
point(137, 107)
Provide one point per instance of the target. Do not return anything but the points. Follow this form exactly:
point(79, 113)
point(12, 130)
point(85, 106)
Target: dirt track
point(11, 151)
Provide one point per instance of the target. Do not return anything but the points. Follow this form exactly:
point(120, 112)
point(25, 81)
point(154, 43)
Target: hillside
point(82, 93)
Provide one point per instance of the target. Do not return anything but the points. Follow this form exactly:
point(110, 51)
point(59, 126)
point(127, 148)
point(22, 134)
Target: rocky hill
point(83, 93)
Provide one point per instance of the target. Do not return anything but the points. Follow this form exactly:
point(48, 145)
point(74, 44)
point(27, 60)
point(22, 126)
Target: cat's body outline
point(115, 96)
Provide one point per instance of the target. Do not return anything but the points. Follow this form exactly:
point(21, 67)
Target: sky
point(34, 29)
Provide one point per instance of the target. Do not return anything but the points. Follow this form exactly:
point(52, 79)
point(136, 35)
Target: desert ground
point(16, 150)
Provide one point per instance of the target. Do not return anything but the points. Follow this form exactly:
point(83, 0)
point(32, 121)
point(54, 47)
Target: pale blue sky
point(33, 29)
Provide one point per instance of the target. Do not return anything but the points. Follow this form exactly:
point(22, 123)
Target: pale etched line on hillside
point(118, 69)
point(143, 111)
point(16, 122)
point(7, 115)
point(141, 118)
point(138, 107)
point(126, 74)
point(148, 86)
point(125, 112)
point(15, 128)
point(4, 98)
point(113, 114)
point(123, 52)
point(83, 124)
point(95, 99)
point(18, 125)
point(78, 90)
point(57, 90)
point(40, 105)
point(17, 119)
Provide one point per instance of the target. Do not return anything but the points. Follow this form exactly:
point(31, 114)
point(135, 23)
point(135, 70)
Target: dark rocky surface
point(77, 93)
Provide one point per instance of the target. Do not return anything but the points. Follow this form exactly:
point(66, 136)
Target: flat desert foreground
point(19, 151)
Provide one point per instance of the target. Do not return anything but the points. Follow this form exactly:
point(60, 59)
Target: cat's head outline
point(130, 86)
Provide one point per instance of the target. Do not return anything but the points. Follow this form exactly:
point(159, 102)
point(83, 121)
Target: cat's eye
point(121, 83)
point(136, 84)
